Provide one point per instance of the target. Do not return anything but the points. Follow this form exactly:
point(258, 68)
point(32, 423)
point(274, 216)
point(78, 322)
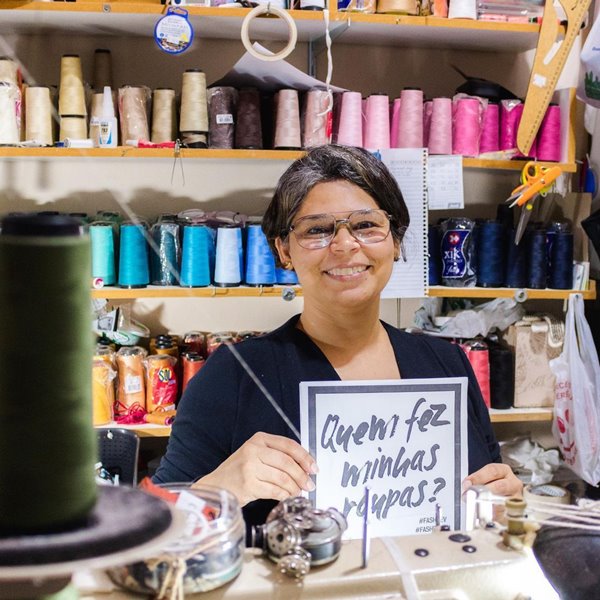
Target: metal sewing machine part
point(297, 536)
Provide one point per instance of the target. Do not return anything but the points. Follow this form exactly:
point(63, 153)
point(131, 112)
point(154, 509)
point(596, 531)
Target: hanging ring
point(268, 9)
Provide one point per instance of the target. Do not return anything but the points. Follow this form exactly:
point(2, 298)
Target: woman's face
point(345, 273)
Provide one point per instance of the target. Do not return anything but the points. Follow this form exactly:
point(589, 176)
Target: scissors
point(535, 180)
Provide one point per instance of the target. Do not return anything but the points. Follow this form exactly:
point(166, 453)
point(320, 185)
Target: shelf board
point(142, 429)
point(218, 154)
point(530, 294)
point(118, 17)
point(156, 291)
point(515, 415)
point(511, 415)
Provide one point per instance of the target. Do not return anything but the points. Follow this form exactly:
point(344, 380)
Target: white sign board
point(406, 440)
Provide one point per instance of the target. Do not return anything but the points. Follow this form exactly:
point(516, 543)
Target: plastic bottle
point(108, 131)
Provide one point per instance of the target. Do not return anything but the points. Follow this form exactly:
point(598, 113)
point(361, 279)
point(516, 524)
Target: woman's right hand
point(265, 467)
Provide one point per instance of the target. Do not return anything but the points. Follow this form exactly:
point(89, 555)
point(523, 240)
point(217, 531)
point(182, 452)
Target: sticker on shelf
point(173, 32)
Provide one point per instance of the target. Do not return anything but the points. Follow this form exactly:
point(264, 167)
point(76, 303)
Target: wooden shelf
point(143, 429)
point(511, 415)
point(516, 415)
point(525, 293)
point(156, 291)
point(138, 17)
point(217, 154)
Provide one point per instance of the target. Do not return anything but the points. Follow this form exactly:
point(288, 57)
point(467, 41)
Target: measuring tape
point(550, 57)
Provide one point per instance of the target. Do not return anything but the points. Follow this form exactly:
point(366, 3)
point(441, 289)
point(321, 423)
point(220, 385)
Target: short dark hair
point(333, 162)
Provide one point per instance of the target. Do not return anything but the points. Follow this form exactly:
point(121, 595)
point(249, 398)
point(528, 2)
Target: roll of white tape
point(263, 9)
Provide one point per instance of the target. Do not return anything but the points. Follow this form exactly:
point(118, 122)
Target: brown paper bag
point(535, 341)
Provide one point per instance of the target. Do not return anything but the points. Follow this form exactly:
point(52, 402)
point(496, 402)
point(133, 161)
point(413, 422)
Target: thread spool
point(95, 115)
point(439, 140)
point(73, 127)
point(196, 256)
point(398, 7)
point(457, 252)
point(490, 129)
point(161, 383)
point(548, 138)
point(395, 122)
point(435, 256)
point(221, 110)
point(195, 341)
point(131, 390)
point(9, 121)
point(260, 262)
point(192, 363)
point(71, 95)
point(103, 392)
point(317, 119)
point(350, 127)
point(478, 355)
point(561, 261)
point(229, 257)
point(427, 108)
point(466, 127)
point(103, 71)
point(218, 338)
point(165, 257)
point(286, 276)
point(133, 113)
point(516, 262)
point(537, 266)
point(510, 116)
point(38, 115)
point(287, 121)
point(377, 122)
point(490, 246)
point(45, 394)
point(502, 377)
point(133, 256)
point(9, 71)
point(102, 235)
point(193, 118)
point(248, 130)
point(164, 116)
point(410, 121)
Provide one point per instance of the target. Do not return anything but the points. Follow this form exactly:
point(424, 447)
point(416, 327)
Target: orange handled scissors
point(536, 180)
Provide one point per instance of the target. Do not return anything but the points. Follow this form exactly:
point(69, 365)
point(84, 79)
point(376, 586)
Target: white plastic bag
point(588, 90)
point(576, 423)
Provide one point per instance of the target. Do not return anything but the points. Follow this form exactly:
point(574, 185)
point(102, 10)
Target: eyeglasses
point(368, 226)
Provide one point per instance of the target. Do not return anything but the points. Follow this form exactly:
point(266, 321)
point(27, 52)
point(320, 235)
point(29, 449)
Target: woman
point(337, 217)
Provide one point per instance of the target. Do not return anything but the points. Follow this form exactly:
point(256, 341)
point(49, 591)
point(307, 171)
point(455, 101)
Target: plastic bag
point(576, 423)
point(588, 89)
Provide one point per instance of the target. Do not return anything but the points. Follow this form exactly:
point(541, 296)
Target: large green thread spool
point(47, 442)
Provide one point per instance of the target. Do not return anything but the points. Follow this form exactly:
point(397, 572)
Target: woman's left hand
point(498, 478)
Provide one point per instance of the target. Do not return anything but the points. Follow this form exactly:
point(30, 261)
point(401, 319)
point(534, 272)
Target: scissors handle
point(546, 177)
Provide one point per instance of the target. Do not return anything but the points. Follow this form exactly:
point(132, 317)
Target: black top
point(222, 407)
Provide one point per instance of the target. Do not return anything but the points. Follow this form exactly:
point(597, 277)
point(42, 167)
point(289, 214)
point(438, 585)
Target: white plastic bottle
point(108, 131)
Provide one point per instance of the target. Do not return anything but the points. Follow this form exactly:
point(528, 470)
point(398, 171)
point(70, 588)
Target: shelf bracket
point(316, 46)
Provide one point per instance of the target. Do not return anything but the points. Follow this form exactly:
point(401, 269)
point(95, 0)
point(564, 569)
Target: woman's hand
point(266, 466)
point(498, 478)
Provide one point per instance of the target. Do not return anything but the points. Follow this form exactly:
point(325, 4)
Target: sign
point(406, 440)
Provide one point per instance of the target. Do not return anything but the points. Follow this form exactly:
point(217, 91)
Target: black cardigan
point(222, 407)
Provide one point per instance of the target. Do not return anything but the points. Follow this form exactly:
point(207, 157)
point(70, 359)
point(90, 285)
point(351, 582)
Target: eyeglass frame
point(337, 223)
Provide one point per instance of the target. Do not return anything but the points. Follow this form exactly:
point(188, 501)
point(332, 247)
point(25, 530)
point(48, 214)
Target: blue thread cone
point(134, 271)
point(260, 262)
point(196, 256)
point(164, 260)
point(102, 236)
point(229, 260)
point(285, 277)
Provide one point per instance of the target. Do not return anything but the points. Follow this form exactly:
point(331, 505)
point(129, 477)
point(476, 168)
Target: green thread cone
point(47, 442)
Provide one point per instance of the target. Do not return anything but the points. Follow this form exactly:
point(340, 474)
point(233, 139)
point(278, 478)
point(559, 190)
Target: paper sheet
point(269, 76)
point(445, 182)
point(410, 277)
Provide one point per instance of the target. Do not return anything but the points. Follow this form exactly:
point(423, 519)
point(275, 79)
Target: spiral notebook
point(410, 276)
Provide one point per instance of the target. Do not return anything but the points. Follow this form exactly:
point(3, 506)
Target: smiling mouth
point(347, 271)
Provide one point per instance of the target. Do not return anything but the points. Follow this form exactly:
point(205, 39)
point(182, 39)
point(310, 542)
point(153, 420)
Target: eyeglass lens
point(317, 231)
